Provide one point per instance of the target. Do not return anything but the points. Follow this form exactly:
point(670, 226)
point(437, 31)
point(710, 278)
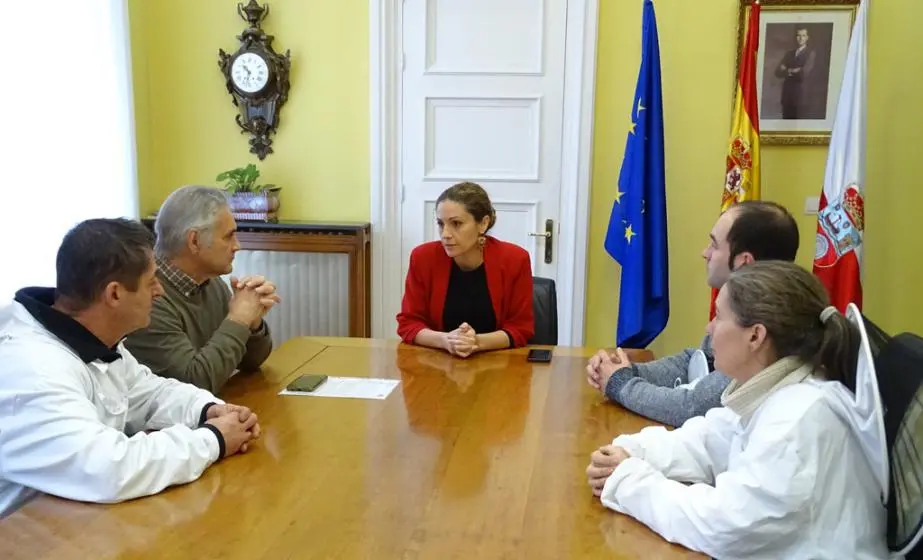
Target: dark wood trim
point(299, 226)
point(352, 239)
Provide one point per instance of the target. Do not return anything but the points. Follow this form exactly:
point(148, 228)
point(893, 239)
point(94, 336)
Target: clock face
point(249, 72)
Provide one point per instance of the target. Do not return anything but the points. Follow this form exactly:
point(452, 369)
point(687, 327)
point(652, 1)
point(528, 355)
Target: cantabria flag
point(841, 219)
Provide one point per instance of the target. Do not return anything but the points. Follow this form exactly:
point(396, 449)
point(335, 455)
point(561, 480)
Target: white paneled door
point(483, 101)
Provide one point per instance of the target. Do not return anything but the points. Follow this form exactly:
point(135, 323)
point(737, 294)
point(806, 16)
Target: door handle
point(548, 234)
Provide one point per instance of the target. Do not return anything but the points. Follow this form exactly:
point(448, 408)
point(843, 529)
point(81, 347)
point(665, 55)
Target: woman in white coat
point(784, 468)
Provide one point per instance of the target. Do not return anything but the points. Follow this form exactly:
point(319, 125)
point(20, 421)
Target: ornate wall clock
point(257, 78)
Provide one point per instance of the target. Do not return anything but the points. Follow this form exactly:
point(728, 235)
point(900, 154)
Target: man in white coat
point(80, 418)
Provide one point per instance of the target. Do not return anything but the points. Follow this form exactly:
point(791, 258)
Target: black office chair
point(899, 367)
point(545, 310)
point(877, 337)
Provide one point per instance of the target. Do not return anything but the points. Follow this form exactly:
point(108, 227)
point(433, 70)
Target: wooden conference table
point(477, 458)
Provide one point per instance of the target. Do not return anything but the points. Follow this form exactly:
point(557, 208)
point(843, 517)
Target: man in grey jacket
point(676, 388)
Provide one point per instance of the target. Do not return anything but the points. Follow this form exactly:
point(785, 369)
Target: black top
point(467, 300)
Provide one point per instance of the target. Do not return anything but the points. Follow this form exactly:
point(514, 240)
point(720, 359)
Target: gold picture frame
point(799, 66)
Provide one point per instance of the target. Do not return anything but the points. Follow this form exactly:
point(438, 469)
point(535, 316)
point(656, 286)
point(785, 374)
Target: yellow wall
point(186, 134)
point(698, 71)
point(894, 246)
point(186, 129)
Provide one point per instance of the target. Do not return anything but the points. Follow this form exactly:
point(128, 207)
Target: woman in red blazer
point(468, 292)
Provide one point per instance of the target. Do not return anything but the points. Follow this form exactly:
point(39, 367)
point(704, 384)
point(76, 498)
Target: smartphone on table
point(540, 355)
point(307, 383)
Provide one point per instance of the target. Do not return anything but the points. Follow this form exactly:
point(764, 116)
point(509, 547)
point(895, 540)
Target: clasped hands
point(602, 365)
point(461, 342)
point(253, 297)
point(238, 425)
point(603, 463)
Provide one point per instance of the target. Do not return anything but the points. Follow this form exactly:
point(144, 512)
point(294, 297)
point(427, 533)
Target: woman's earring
point(481, 241)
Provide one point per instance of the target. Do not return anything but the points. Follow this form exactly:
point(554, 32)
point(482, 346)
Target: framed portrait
point(799, 66)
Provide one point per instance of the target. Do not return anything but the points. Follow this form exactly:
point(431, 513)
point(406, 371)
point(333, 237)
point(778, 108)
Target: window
point(68, 150)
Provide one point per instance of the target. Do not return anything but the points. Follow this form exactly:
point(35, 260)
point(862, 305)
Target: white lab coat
point(801, 479)
point(75, 430)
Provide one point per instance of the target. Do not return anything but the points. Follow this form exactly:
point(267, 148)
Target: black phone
point(539, 355)
point(307, 383)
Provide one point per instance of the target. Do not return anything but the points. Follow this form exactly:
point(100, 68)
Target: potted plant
point(248, 199)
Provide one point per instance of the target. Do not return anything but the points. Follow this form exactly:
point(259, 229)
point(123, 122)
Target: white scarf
point(745, 398)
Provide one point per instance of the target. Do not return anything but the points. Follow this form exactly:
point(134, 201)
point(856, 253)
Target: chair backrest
point(899, 366)
point(545, 310)
point(876, 336)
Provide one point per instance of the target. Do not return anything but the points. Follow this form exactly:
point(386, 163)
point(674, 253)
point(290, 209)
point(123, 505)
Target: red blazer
point(509, 281)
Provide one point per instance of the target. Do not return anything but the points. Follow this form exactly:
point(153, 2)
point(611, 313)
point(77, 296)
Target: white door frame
point(385, 69)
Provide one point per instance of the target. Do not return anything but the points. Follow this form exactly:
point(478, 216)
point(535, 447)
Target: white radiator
point(314, 288)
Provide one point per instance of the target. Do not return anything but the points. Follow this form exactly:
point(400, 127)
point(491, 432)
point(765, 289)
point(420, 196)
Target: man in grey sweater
point(676, 388)
point(201, 330)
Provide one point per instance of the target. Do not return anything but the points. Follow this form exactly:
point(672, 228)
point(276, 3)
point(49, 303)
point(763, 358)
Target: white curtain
point(68, 148)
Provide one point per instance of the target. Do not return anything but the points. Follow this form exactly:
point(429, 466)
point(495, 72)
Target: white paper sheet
point(350, 388)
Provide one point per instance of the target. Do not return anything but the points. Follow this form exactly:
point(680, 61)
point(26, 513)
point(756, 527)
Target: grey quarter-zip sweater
point(657, 389)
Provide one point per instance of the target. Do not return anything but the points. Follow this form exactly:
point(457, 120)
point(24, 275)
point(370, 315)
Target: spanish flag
point(742, 175)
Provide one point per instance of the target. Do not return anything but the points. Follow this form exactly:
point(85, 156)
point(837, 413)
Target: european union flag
point(637, 235)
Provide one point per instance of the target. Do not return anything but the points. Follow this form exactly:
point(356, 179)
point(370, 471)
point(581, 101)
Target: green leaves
point(241, 179)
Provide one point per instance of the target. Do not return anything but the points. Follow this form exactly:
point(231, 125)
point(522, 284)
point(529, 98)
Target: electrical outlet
point(811, 205)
